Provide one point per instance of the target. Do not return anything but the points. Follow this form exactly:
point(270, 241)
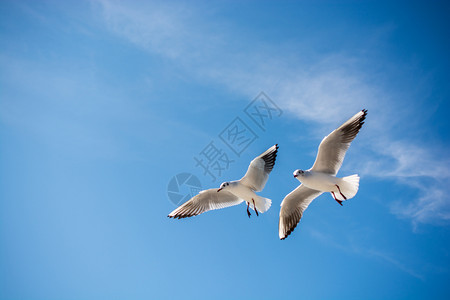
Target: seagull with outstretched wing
point(322, 176)
point(234, 192)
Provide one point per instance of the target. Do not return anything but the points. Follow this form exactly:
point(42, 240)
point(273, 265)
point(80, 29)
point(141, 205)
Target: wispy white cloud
point(350, 247)
point(431, 205)
point(159, 28)
point(414, 160)
point(323, 89)
point(425, 169)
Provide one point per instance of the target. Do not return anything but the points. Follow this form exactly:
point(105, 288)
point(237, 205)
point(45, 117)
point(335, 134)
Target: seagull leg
point(334, 196)
point(248, 212)
point(345, 198)
point(254, 206)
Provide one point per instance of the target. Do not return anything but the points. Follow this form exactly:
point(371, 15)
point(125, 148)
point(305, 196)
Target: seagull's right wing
point(333, 147)
point(259, 169)
point(292, 208)
point(206, 200)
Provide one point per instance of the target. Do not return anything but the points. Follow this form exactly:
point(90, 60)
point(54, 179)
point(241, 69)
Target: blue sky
point(103, 102)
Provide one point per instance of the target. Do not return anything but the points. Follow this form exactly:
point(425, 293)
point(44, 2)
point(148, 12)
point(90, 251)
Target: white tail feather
point(262, 204)
point(348, 187)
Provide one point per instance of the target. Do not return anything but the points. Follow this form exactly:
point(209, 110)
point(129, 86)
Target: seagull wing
point(333, 147)
point(292, 208)
point(206, 200)
point(259, 169)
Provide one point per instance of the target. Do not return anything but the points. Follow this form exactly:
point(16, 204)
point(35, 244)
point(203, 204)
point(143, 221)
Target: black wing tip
point(270, 158)
point(181, 216)
point(293, 225)
point(356, 124)
point(289, 232)
point(363, 117)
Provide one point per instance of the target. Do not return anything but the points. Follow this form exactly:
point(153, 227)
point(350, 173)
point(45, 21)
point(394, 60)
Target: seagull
point(322, 176)
point(234, 192)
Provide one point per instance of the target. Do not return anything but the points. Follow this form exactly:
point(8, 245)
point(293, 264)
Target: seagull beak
point(219, 190)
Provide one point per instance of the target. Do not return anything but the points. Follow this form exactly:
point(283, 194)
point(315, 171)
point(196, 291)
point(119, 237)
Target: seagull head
point(223, 185)
point(298, 173)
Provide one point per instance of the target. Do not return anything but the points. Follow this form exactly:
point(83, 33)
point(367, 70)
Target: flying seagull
point(322, 176)
point(234, 192)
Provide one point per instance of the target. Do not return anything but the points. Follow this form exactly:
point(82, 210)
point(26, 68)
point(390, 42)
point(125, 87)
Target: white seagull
point(322, 176)
point(234, 192)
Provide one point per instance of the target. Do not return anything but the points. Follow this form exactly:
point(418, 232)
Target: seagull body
point(318, 181)
point(234, 192)
point(340, 188)
point(322, 176)
point(241, 191)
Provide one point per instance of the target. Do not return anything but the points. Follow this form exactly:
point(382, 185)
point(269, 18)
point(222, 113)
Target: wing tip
point(283, 235)
point(269, 156)
point(288, 233)
point(363, 117)
point(273, 149)
point(180, 215)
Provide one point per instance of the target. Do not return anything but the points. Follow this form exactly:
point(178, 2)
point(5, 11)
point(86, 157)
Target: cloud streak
point(365, 252)
point(306, 88)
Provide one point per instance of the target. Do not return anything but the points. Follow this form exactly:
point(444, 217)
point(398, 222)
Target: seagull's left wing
point(292, 208)
point(259, 169)
point(205, 201)
point(333, 147)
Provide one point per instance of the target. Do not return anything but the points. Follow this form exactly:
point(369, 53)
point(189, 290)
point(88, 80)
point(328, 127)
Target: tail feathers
point(348, 187)
point(262, 204)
